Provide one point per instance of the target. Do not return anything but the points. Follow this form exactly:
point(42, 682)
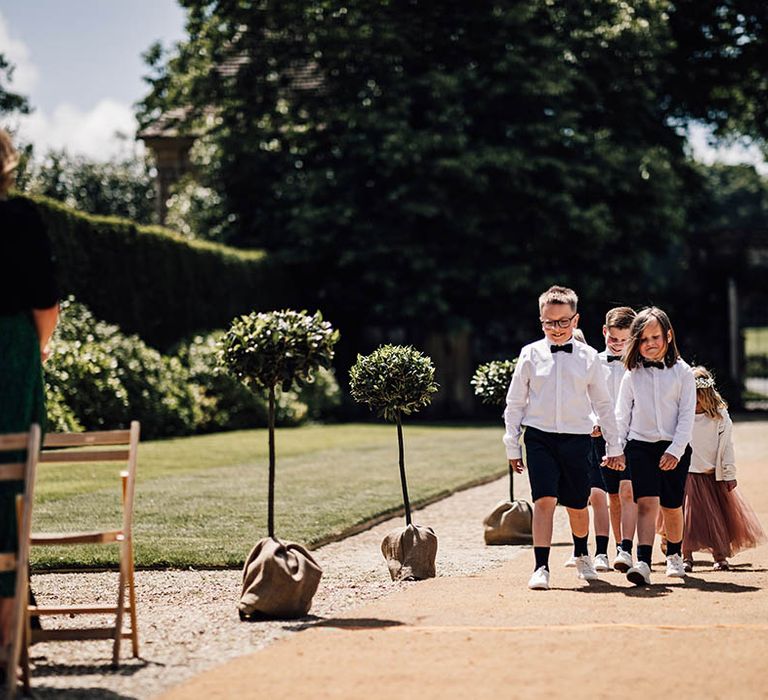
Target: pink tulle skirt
point(718, 520)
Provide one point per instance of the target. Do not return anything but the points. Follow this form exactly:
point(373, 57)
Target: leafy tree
point(120, 187)
point(443, 158)
point(10, 102)
point(492, 380)
point(735, 197)
point(277, 349)
point(719, 62)
point(394, 381)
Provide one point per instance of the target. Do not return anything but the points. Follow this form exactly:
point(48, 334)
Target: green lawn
point(756, 341)
point(201, 501)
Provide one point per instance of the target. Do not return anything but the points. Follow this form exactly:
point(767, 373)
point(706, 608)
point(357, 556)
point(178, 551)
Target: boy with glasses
point(558, 383)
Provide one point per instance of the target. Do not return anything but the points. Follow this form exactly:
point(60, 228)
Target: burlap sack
point(509, 523)
point(279, 580)
point(410, 552)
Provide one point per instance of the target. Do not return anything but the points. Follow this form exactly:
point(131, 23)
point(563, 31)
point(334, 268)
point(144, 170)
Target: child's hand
point(517, 465)
point(596, 432)
point(668, 462)
point(731, 484)
point(617, 463)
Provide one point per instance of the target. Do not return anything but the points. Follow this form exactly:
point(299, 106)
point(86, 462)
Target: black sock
point(674, 547)
point(542, 557)
point(644, 553)
point(626, 545)
point(602, 544)
point(580, 545)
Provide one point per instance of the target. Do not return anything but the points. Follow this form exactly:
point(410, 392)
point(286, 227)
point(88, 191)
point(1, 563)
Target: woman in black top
point(28, 314)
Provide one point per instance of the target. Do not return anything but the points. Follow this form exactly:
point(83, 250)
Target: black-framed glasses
point(559, 323)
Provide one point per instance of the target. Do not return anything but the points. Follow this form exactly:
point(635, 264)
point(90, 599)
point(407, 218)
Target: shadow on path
point(361, 623)
point(656, 590)
point(43, 668)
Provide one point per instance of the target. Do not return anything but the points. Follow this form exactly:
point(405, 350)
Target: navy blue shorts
point(558, 466)
point(597, 450)
point(611, 477)
point(648, 480)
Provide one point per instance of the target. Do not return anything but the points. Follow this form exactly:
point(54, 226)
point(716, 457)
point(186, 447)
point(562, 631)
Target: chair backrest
point(25, 471)
point(74, 448)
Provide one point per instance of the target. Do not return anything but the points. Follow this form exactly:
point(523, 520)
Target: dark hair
point(620, 317)
point(632, 357)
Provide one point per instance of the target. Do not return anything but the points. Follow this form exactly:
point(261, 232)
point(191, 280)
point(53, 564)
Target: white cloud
point(92, 133)
point(25, 75)
point(706, 149)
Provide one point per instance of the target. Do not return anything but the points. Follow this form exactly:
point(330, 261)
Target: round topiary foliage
point(492, 380)
point(393, 380)
point(510, 522)
point(264, 350)
point(396, 380)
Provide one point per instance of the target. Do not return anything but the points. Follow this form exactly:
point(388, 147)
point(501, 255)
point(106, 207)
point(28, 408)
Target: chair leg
point(25, 656)
point(120, 606)
point(132, 603)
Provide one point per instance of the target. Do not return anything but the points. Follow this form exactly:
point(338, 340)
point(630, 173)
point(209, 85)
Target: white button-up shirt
point(614, 373)
point(658, 404)
point(557, 393)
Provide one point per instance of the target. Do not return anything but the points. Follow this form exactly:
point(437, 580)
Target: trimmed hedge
point(99, 378)
point(151, 281)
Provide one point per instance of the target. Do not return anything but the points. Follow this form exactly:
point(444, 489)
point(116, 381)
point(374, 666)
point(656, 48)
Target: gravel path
point(188, 620)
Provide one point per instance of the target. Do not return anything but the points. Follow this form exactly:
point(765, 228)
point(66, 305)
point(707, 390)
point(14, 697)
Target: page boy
point(558, 382)
point(622, 507)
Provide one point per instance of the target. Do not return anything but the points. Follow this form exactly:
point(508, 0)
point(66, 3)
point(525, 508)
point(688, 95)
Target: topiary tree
point(266, 351)
point(393, 381)
point(510, 521)
point(491, 381)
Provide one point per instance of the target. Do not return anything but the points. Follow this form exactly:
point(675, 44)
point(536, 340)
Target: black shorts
point(648, 480)
point(558, 466)
point(597, 450)
point(611, 477)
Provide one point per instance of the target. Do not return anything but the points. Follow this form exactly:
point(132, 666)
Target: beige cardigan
point(725, 467)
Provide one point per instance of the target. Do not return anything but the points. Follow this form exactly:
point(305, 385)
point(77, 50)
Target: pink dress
point(716, 520)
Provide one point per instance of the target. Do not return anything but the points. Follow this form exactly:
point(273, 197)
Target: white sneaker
point(622, 561)
point(640, 574)
point(571, 563)
point(539, 580)
point(585, 569)
point(675, 566)
point(601, 562)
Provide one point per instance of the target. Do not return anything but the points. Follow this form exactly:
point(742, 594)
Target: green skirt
point(22, 402)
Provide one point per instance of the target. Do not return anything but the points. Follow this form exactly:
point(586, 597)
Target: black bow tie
point(657, 365)
point(613, 358)
point(561, 348)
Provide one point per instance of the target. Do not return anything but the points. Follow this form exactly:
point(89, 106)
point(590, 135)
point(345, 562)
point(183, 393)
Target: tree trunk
point(406, 502)
point(271, 495)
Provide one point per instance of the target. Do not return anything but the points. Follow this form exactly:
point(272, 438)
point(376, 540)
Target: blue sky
point(79, 61)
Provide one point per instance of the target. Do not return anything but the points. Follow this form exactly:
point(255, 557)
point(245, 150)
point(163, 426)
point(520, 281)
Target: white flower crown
point(704, 382)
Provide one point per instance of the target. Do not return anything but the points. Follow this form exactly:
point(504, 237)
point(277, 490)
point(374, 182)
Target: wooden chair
point(19, 562)
point(77, 448)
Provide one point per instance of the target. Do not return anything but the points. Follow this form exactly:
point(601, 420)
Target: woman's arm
point(45, 323)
